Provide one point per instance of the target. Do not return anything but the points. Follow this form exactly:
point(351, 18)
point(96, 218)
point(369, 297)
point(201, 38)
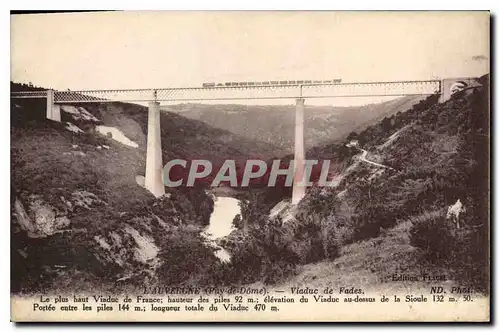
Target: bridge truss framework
point(299, 92)
point(305, 91)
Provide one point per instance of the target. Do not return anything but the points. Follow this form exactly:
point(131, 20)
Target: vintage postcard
point(259, 166)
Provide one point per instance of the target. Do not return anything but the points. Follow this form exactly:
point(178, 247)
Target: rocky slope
point(79, 212)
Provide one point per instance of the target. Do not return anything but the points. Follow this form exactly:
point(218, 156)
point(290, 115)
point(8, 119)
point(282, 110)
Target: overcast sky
point(162, 49)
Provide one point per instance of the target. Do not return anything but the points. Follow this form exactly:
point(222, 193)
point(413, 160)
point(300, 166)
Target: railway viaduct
point(299, 92)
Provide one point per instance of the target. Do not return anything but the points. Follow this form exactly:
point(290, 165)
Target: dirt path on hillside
point(363, 158)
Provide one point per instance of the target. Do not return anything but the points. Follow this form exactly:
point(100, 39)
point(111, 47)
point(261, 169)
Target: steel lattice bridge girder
point(335, 90)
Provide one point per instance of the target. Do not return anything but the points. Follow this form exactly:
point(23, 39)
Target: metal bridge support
point(299, 188)
point(154, 168)
point(53, 110)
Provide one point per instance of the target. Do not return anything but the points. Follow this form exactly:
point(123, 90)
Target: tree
point(352, 135)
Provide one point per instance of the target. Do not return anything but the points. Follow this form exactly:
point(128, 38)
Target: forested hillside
point(80, 214)
point(435, 154)
point(79, 209)
point(275, 124)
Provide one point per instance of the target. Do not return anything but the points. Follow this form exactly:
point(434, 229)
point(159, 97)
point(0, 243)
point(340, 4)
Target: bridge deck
point(319, 90)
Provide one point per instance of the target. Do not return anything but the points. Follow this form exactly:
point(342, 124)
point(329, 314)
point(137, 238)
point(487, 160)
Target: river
point(221, 224)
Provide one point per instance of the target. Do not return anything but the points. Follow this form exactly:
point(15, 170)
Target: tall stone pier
point(154, 163)
point(53, 110)
point(299, 189)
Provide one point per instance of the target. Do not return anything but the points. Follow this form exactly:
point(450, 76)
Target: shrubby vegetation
point(272, 248)
point(439, 154)
point(264, 254)
point(21, 87)
point(431, 233)
point(185, 259)
point(43, 164)
point(464, 251)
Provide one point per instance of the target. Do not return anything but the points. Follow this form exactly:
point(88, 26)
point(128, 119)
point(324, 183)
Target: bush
point(185, 258)
point(318, 224)
point(462, 250)
point(432, 234)
point(365, 226)
point(271, 249)
point(331, 246)
point(265, 254)
point(470, 257)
